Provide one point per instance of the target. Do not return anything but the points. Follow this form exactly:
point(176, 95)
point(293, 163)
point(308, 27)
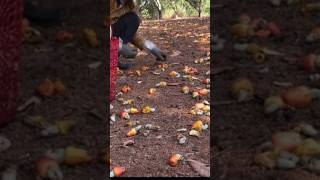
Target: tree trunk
point(200, 8)
point(159, 8)
point(160, 14)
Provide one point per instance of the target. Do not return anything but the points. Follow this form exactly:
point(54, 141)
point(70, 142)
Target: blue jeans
point(126, 27)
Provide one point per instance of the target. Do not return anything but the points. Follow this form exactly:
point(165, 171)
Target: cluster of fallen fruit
point(289, 148)
point(48, 164)
point(202, 109)
point(243, 88)
point(294, 97)
point(33, 36)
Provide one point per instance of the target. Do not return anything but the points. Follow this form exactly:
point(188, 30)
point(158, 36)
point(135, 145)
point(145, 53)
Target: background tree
point(158, 9)
point(197, 5)
point(158, 6)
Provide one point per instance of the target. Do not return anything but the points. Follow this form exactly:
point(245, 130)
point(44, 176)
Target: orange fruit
point(47, 88)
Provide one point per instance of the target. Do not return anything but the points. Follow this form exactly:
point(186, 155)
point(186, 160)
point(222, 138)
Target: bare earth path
point(185, 41)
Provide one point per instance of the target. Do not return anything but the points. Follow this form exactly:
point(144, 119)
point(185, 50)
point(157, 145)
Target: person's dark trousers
point(126, 27)
point(42, 15)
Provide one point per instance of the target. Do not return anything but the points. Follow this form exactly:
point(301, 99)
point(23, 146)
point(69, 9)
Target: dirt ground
point(240, 128)
point(86, 88)
point(185, 41)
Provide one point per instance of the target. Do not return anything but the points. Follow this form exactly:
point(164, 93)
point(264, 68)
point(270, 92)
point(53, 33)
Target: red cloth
point(114, 47)
point(10, 43)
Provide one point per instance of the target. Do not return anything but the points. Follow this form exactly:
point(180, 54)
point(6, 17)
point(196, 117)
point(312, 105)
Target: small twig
point(282, 84)
point(173, 84)
point(31, 101)
point(222, 70)
point(174, 64)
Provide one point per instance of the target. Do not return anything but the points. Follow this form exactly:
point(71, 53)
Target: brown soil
point(150, 154)
point(240, 128)
point(85, 86)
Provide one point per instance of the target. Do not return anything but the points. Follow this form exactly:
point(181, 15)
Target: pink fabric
point(10, 43)
point(114, 47)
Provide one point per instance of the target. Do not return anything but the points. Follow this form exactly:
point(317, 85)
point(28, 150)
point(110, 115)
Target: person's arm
point(117, 13)
point(148, 46)
point(125, 7)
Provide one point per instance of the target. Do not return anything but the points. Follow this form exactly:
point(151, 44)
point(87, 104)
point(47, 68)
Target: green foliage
point(172, 8)
point(206, 8)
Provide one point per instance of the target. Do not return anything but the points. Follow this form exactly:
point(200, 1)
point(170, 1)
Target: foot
point(127, 52)
point(43, 15)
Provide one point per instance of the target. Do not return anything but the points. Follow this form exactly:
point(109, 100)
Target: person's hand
point(153, 49)
point(160, 55)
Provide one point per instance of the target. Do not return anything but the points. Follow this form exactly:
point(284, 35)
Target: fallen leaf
point(128, 143)
point(4, 143)
point(31, 101)
point(95, 65)
point(200, 168)
point(283, 84)
point(175, 53)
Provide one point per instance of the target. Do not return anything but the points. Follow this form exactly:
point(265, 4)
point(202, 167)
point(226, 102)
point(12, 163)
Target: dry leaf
point(4, 143)
point(95, 65)
point(200, 168)
point(31, 101)
point(175, 53)
point(128, 143)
